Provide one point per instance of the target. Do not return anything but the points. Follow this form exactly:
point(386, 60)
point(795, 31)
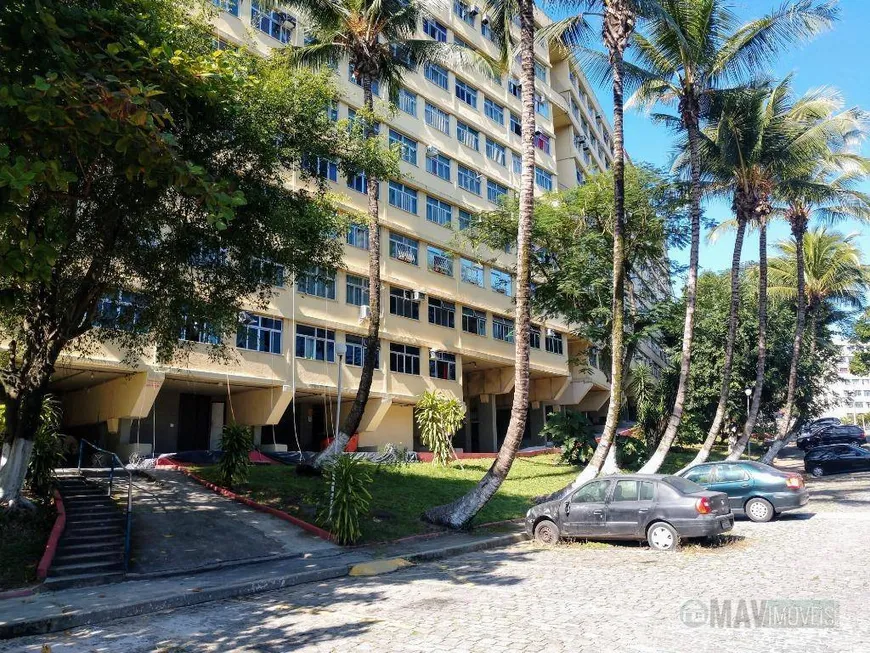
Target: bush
point(631, 452)
point(236, 444)
point(347, 498)
point(572, 432)
point(47, 453)
point(439, 418)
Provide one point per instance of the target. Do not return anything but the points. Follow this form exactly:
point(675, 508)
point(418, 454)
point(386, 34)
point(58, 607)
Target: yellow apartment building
point(447, 310)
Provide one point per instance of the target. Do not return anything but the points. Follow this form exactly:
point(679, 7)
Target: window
point(270, 272)
point(730, 474)
point(356, 351)
point(198, 331)
point(468, 136)
point(517, 163)
point(436, 74)
point(440, 260)
point(404, 248)
point(501, 282)
point(473, 321)
point(403, 304)
point(317, 281)
point(404, 359)
point(516, 125)
point(442, 313)
point(495, 191)
point(352, 76)
point(315, 343)
point(208, 256)
point(358, 236)
point(535, 337)
point(320, 167)
point(553, 342)
point(493, 111)
point(466, 93)
point(486, 30)
point(438, 165)
point(357, 290)
point(437, 118)
point(229, 6)
point(120, 310)
point(469, 179)
point(408, 146)
point(465, 219)
point(593, 492)
point(544, 179)
point(464, 12)
point(438, 212)
point(514, 87)
point(359, 183)
point(471, 272)
point(442, 365)
point(580, 176)
point(402, 53)
point(701, 474)
point(542, 142)
point(460, 42)
point(542, 107)
point(435, 29)
point(540, 71)
point(260, 333)
point(403, 197)
point(408, 101)
point(496, 151)
point(502, 328)
point(276, 24)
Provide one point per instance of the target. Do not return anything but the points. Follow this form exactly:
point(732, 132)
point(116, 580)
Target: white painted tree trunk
point(12, 473)
point(610, 465)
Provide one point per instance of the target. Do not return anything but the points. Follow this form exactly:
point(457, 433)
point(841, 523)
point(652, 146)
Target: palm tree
point(692, 49)
point(502, 12)
point(832, 272)
point(377, 37)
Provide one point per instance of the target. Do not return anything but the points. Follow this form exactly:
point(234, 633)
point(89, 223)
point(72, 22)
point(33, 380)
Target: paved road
point(568, 598)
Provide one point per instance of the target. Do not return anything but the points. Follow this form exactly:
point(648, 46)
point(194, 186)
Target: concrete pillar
point(536, 423)
point(487, 427)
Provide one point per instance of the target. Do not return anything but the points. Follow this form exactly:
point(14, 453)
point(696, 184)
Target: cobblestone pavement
point(569, 598)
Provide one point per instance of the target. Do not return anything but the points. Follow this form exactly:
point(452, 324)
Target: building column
point(487, 427)
point(537, 420)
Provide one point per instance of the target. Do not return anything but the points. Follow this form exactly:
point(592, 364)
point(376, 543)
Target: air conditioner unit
point(287, 22)
point(432, 151)
point(474, 10)
point(551, 333)
point(365, 312)
point(416, 295)
point(537, 132)
point(485, 20)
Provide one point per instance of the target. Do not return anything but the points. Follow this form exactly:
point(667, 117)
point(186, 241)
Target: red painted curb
point(280, 514)
point(53, 538)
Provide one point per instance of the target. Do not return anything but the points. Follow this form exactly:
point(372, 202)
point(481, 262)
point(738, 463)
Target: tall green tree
point(688, 51)
point(134, 159)
point(378, 40)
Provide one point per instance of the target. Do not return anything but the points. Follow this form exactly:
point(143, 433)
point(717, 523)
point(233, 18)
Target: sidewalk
point(52, 611)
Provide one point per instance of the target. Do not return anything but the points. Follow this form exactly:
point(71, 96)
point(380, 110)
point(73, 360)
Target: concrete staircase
point(91, 550)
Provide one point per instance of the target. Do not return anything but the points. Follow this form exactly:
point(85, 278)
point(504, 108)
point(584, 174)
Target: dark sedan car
point(659, 509)
point(759, 491)
point(837, 459)
point(832, 434)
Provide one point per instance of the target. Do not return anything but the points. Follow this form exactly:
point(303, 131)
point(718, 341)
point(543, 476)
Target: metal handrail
point(129, 515)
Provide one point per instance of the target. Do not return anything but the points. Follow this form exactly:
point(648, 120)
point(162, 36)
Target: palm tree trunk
point(690, 120)
point(722, 406)
point(755, 404)
point(354, 416)
point(460, 512)
point(798, 228)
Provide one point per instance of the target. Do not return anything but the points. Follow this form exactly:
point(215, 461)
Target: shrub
point(47, 451)
point(631, 452)
point(572, 432)
point(236, 444)
point(347, 498)
point(439, 418)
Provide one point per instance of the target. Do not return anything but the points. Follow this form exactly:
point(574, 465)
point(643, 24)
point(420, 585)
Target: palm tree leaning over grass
point(690, 50)
point(831, 267)
point(502, 12)
point(378, 39)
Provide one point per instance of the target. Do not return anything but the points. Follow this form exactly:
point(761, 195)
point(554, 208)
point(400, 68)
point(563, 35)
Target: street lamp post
point(340, 351)
point(748, 393)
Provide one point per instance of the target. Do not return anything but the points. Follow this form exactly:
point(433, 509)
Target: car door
point(862, 461)
point(584, 512)
point(628, 508)
point(734, 481)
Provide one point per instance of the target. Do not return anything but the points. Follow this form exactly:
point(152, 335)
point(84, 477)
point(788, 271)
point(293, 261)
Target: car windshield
point(683, 485)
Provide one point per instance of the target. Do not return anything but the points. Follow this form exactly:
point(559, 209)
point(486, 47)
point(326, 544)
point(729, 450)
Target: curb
point(53, 538)
point(468, 547)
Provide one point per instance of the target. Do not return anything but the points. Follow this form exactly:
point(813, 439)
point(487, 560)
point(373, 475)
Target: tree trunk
point(354, 416)
point(690, 120)
point(798, 228)
point(460, 512)
point(755, 405)
point(722, 406)
point(13, 472)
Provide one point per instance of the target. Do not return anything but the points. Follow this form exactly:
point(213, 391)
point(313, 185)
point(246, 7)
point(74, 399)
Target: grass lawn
point(401, 494)
point(22, 542)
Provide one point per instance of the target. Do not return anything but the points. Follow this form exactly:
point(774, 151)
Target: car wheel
point(817, 471)
point(663, 537)
point(759, 510)
point(546, 532)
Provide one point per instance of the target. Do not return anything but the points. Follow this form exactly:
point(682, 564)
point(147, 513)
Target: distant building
point(850, 393)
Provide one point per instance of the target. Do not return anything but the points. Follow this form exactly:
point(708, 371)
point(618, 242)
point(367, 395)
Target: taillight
point(794, 482)
point(703, 506)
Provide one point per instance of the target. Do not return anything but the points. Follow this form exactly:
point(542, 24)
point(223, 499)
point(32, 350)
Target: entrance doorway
point(194, 422)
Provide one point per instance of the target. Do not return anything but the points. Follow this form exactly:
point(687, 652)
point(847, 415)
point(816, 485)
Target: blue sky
point(837, 58)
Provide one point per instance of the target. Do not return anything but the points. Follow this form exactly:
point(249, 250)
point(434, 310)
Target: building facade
point(850, 395)
point(447, 320)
